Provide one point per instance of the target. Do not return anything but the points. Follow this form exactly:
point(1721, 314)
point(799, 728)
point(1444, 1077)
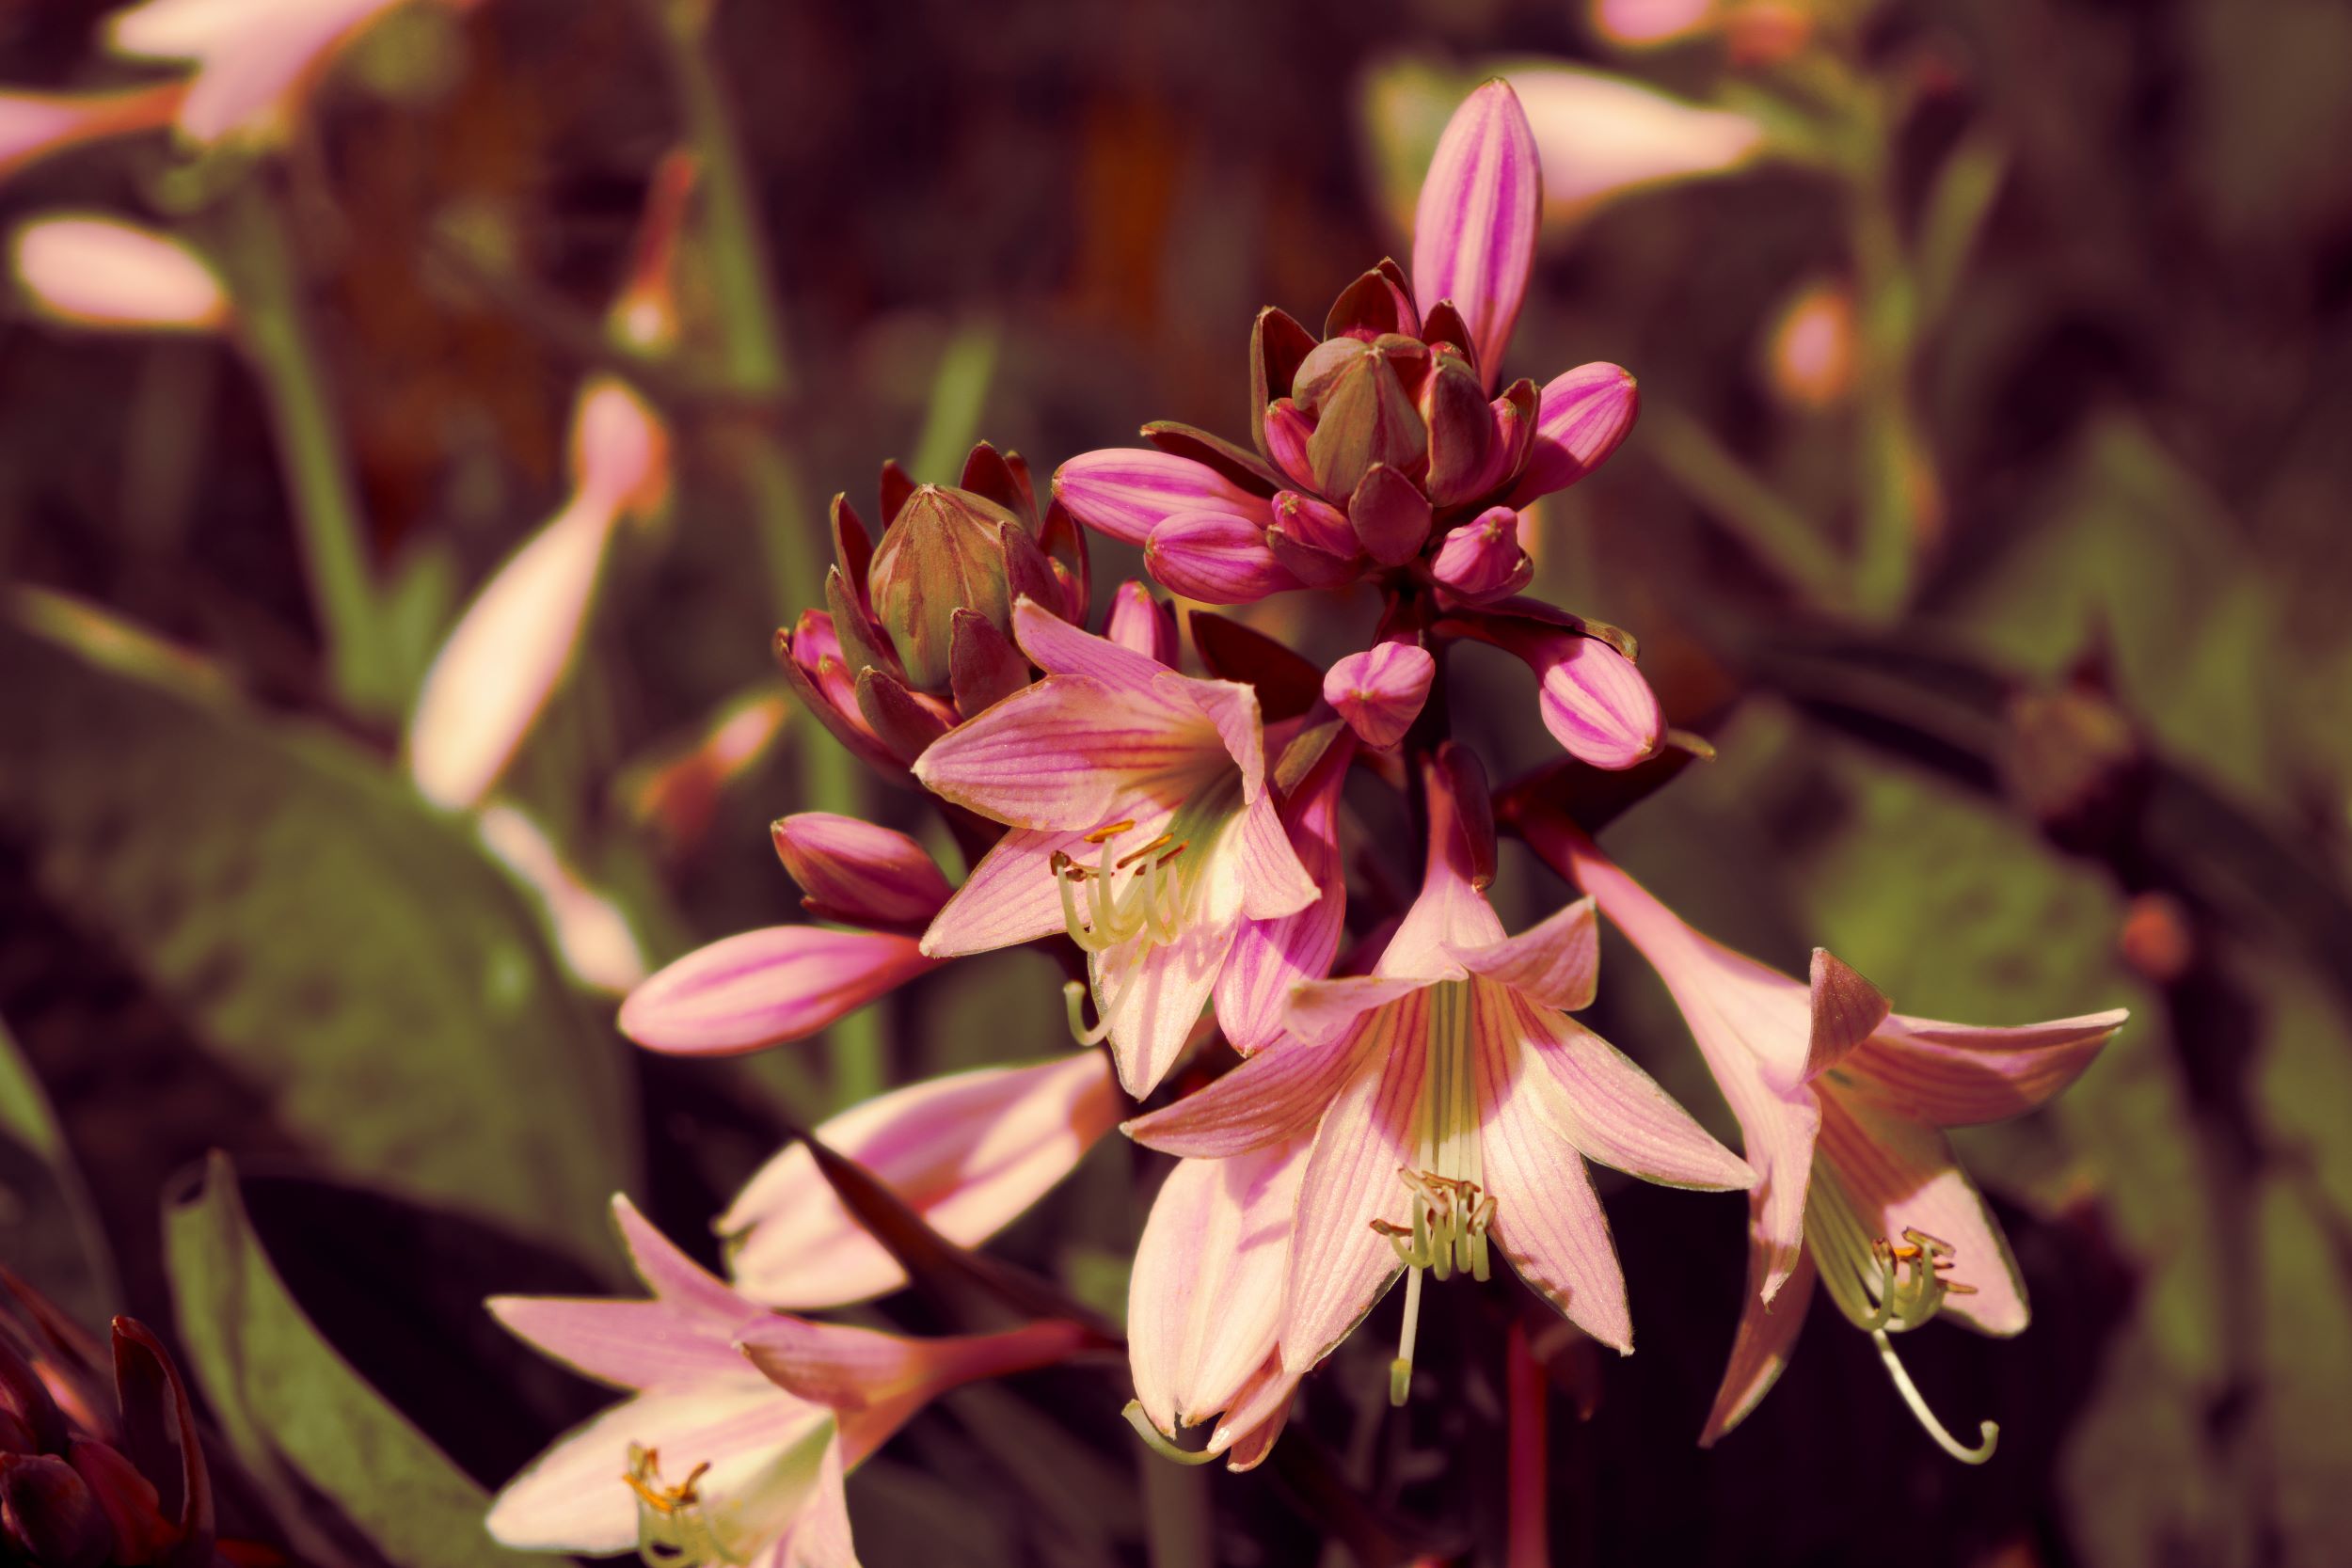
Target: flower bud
point(1142, 623)
point(1215, 558)
point(1287, 432)
point(766, 986)
point(1481, 561)
point(1594, 701)
point(1461, 430)
point(950, 549)
point(1380, 691)
point(858, 872)
point(1367, 420)
point(133, 1507)
point(1390, 514)
point(98, 272)
point(48, 1516)
point(1316, 523)
point(1584, 413)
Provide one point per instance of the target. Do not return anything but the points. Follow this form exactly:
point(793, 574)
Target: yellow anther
point(1111, 831)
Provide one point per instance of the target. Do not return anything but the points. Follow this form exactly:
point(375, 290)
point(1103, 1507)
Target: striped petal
point(1276, 1094)
point(1127, 493)
point(1474, 228)
point(1761, 1346)
point(1954, 1076)
point(1555, 964)
point(1581, 417)
point(1607, 1108)
point(765, 988)
point(1058, 648)
point(1010, 897)
point(1157, 990)
point(1548, 1219)
point(1069, 751)
point(1272, 958)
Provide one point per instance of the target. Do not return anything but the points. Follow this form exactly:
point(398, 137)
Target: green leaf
point(335, 1461)
point(49, 1231)
point(329, 942)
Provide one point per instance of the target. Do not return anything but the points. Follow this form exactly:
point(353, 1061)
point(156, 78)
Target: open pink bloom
point(1142, 826)
point(969, 1152)
point(1204, 1303)
point(1379, 442)
point(1456, 1101)
point(1842, 1105)
point(741, 1424)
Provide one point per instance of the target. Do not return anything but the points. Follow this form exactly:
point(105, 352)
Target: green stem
point(1780, 537)
point(277, 342)
point(959, 391)
point(1891, 459)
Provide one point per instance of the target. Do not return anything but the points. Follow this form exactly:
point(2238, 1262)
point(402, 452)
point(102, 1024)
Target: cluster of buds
point(914, 636)
point(69, 1495)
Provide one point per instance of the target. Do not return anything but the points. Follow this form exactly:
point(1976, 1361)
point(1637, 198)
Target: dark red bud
point(48, 1515)
point(133, 1507)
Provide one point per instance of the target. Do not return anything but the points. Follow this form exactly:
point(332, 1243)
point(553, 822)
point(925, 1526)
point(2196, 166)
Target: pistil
point(1913, 1285)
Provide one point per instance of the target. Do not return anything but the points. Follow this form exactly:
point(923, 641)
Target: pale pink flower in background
point(1603, 137)
point(969, 1153)
point(91, 271)
point(254, 59)
point(35, 125)
point(1451, 1099)
point(1646, 23)
point(741, 1424)
point(1842, 1105)
point(1204, 1303)
point(515, 643)
point(1809, 352)
point(676, 792)
point(592, 935)
point(1142, 825)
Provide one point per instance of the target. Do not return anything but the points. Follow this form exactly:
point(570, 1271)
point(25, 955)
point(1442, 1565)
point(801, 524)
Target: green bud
point(950, 549)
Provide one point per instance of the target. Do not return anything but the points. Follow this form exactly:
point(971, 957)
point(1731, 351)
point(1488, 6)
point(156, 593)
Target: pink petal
point(1247, 1431)
point(632, 1344)
point(1380, 691)
point(1010, 897)
point(1287, 432)
point(1058, 648)
point(1607, 1108)
point(1275, 1095)
point(1141, 623)
point(1474, 229)
point(1597, 704)
point(677, 1280)
point(1894, 1173)
point(1069, 751)
point(865, 1372)
point(1548, 1219)
point(1584, 416)
point(969, 1152)
point(1481, 561)
point(1216, 557)
point(855, 870)
point(819, 1538)
point(1271, 958)
point(1954, 1075)
point(571, 1499)
point(1232, 708)
point(1127, 493)
point(100, 272)
point(1323, 1009)
point(1339, 1265)
point(1157, 992)
point(1761, 1346)
point(35, 124)
point(1845, 1008)
point(1205, 1300)
point(765, 988)
point(1555, 964)
point(1274, 883)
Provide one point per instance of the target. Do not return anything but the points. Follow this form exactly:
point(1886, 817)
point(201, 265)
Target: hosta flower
point(913, 635)
point(1380, 442)
point(741, 1422)
point(1842, 1105)
point(1452, 1103)
point(1142, 826)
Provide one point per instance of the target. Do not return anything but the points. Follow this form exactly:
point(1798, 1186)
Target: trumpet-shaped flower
point(741, 1422)
point(969, 1152)
point(1842, 1104)
point(1142, 826)
point(1452, 1103)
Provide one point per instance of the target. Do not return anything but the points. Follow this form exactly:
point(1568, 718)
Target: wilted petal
point(969, 1152)
point(1607, 1108)
point(1474, 228)
point(1584, 415)
point(100, 272)
point(1216, 557)
point(1339, 1264)
point(1380, 690)
point(1880, 1174)
point(1127, 493)
point(765, 988)
point(1761, 1346)
point(1012, 896)
point(1069, 750)
point(857, 871)
point(1275, 1095)
point(1954, 1075)
point(509, 652)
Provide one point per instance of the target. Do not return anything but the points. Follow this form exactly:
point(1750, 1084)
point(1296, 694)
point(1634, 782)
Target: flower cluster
point(1414, 1107)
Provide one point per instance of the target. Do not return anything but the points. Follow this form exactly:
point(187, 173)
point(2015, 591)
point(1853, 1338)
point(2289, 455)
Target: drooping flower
point(1142, 826)
point(1377, 441)
point(741, 1422)
point(1204, 1303)
point(969, 1153)
point(1842, 1104)
point(1451, 1100)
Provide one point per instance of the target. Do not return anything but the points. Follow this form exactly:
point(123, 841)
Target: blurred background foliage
point(2012, 603)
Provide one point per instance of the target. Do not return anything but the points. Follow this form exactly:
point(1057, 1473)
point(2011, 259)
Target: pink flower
point(35, 125)
point(1142, 826)
point(88, 270)
point(741, 1424)
point(1842, 1105)
point(1450, 1099)
point(969, 1152)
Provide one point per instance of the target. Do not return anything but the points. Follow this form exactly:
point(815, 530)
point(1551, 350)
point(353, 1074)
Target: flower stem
point(1528, 1531)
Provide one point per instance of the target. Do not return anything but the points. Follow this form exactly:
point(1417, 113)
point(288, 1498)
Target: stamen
point(1401, 1370)
point(1989, 1433)
point(1111, 831)
point(1073, 1001)
point(1126, 860)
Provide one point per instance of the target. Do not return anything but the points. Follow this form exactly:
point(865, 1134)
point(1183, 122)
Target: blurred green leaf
point(49, 1233)
point(331, 941)
point(347, 1475)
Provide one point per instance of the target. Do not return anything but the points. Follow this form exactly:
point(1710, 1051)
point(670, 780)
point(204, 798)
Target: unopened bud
point(1380, 691)
point(1142, 623)
point(1390, 514)
point(1367, 420)
point(1582, 416)
point(1482, 561)
point(1461, 430)
point(48, 1515)
point(858, 872)
point(133, 1507)
point(1215, 558)
point(949, 550)
point(1595, 703)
